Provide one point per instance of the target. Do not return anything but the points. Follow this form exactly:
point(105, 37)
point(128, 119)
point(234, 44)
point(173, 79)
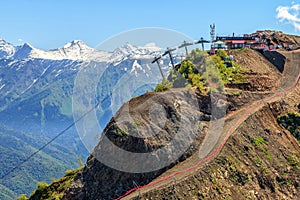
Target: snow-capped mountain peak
point(77, 50)
point(26, 51)
point(27, 45)
point(126, 49)
point(76, 43)
point(132, 51)
point(6, 49)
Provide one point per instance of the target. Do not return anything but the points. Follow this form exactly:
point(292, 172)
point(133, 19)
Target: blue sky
point(48, 24)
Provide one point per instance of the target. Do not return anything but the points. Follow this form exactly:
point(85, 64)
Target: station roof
point(238, 41)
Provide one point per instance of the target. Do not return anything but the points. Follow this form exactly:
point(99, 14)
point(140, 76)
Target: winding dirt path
point(290, 78)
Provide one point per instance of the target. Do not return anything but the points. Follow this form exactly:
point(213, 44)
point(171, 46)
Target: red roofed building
point(237, 42)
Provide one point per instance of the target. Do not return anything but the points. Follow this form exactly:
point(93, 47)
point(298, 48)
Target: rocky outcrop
point(179, 112)
point(278, 38)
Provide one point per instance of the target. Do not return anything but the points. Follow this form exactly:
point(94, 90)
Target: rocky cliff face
point(98, 181)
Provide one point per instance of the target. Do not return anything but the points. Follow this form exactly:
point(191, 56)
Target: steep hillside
point(260, 161)
point(262, 74)
point(252, 156)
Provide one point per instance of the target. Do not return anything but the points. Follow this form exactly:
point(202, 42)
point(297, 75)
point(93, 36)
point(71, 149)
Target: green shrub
point(80, 162)
point(203, 72)
point(259, 141)
point(55, 190)
point(230, 74)
point(186, 68)
point(163, 86)
point(197, 80)
point(137, 123)
point(69, 172)
point(22, 197)
point(186, 75)
point(239, 177)
point(41, 186)
point(122, 132)
point(222, 54)
point(292, 161)
point(291, 122)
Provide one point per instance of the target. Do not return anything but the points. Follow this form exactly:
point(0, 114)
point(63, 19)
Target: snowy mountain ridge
point(77, 50)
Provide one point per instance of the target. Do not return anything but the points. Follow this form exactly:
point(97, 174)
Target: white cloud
point(289, 14)
point(20, 40)
point(296, 25)
point(295, 7)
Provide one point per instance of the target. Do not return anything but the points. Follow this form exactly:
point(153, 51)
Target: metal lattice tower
point(212, 32)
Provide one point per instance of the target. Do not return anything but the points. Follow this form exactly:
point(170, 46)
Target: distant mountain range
point(36, 89)
point(75, 50)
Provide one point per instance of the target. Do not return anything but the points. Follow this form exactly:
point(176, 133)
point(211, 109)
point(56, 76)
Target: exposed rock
point(98, 181)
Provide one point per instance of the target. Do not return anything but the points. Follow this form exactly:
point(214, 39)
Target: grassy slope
point(55, 189)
